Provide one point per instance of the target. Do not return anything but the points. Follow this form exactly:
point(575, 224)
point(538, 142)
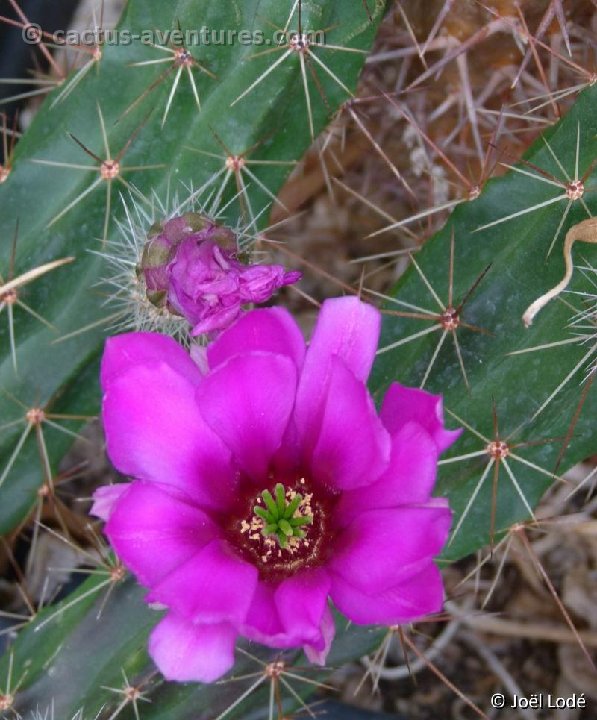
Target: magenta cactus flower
point(190, 266)
point(267, 487)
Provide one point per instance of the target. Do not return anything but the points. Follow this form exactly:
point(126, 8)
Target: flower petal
point(409, 478)
point(382, 547)
point(403, 404)
point(104, 499)
point(301, 601)
point(263, 623)
point(122, 352)
point(154, 431)
point(186, 652)
point(269, 330)
point(154, 532)
point(247, 402)
point(257, 283)
point(328, 630)
point(216, 319)
point(289, 456)
point(419, 595)
point(353, 447)
point(211, 587)
point(348, 329)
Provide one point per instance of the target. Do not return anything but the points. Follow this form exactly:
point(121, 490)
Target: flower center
point(282, 529)
point(284, 516)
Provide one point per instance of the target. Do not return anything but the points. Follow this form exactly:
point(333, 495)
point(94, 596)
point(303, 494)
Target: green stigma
point(281, 518)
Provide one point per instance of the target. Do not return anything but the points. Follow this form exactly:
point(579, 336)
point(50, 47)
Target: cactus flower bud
point(190, 266)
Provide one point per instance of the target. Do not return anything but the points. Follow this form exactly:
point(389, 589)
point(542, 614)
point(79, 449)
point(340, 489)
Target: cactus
point(453, 322)
point(113, 99)
point(504, 238)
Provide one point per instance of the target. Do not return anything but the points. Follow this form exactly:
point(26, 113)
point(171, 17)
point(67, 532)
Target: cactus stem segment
point(449, 320)
point(109, 169)
point(301, 44)
point(237, 164)
point(182, 60)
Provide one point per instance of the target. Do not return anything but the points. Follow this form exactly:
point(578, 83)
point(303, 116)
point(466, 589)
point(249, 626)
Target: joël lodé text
point(540, 702)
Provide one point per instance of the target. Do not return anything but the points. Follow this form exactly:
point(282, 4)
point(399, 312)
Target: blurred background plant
point(388, 192)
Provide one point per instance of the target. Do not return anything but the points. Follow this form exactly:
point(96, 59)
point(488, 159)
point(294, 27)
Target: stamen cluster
point(281, 518)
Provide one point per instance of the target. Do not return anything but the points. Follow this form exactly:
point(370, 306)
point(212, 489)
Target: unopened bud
point(190, 266)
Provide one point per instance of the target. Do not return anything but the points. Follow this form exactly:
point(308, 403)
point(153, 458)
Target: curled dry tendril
point(585, 231)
